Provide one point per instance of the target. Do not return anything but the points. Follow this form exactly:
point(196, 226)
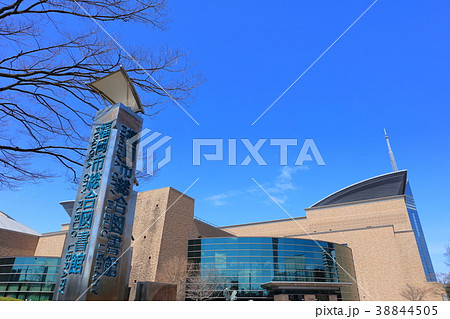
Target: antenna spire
point(391, 154)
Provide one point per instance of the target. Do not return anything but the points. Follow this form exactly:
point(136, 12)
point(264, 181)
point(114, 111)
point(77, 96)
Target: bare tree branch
point(441, 287)
point(50, 50)
point(174, 271)
point(447, 255)
point(201, 284)
point(414, 293)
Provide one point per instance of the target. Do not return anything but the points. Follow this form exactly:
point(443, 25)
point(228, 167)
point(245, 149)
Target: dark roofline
point(6, 215)
point(356, 202)
point(354, 188)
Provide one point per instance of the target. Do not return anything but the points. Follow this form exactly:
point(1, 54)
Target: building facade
point(371, 217)
point(363, 242)
point(268, 268)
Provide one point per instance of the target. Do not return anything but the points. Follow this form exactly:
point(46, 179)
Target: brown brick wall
point(17, 244)
point(164, 221)
point(146, 242)
point(275, 228)
point(379, 233)
point(178, 220)
point(51, 245)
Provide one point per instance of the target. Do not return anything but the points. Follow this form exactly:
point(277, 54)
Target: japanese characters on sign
point(110, 244)
point(73, 260)
point(102, 216)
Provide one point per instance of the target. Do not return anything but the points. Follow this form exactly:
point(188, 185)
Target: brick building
point(363, 242)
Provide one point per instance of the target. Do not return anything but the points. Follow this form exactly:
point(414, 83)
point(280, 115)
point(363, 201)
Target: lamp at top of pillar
point(118, 88)
point(93, 267)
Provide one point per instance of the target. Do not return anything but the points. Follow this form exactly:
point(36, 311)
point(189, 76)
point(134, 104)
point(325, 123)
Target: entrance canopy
point(286, 285)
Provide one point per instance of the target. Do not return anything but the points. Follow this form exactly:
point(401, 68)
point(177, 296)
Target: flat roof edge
point(264, 222)
point(60, 232)
point(168, 188)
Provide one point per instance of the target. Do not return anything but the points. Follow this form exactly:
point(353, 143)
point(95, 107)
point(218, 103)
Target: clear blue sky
point(390, 70)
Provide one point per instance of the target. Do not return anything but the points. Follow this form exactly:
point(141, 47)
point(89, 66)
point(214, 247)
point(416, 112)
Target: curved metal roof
point(385, 185)
point(8, 223)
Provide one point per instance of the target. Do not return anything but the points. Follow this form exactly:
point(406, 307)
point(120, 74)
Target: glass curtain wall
point(243, 264)
point(418, 234)
point(28, 278)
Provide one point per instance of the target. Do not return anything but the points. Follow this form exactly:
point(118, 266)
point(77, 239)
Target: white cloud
point(277, 189)
point(217, 200)
point(220, 199)
point(283, 182)
point(279, 199)
point(287, 171)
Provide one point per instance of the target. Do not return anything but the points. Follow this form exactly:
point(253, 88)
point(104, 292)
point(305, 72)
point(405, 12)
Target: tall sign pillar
point(95, 263)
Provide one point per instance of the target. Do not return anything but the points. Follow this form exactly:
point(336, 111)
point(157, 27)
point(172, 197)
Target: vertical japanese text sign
point(100, 232)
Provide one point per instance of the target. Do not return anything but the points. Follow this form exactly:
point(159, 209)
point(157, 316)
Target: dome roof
point(391, 184)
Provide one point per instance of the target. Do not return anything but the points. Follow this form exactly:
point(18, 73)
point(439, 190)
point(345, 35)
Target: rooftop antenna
point(391, 154)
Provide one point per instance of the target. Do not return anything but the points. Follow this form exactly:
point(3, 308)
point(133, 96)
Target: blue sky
point(390, 70)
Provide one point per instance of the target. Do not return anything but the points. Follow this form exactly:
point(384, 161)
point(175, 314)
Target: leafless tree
point(447, 255)
point(174, 271)
point(49, 50)
point(414, 293)
point(201, 285)
point(192, 282)
point(442, 284)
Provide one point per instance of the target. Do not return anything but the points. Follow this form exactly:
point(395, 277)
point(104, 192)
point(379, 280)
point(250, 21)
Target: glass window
point(26, 274)
point(34, 287)
point(13, 287)
point(7, 261)
point(248, 262)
